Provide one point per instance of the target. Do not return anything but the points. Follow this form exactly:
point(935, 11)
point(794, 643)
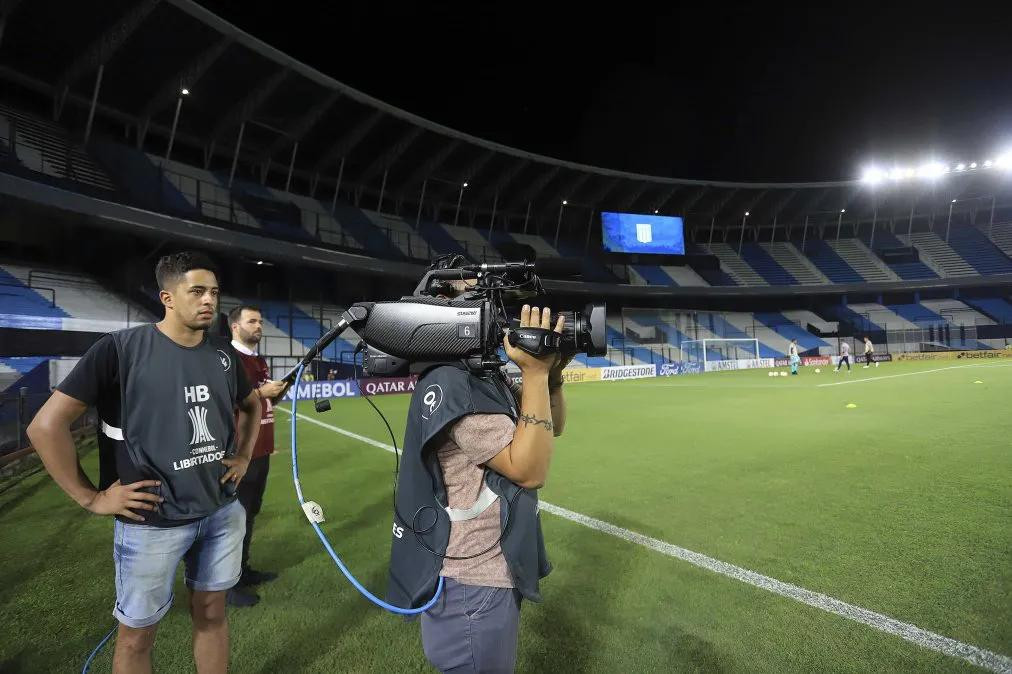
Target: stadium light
point(184, 91)
point(931, 170)
point(873, 176)
point(934, 169)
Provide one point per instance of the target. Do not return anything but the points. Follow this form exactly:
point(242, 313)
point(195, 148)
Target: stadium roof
point(131, 59)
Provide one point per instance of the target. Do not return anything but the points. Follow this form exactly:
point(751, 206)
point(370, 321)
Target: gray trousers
point(472, 629)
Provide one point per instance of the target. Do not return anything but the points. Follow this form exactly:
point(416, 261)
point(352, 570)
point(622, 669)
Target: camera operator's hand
point(561, 362)
point(534, 318)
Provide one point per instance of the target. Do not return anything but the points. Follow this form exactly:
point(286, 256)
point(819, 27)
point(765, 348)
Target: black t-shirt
point(95, 381)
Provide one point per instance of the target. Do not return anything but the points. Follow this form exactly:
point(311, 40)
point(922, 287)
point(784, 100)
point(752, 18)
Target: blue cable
point(87, 663)
point(323, 537)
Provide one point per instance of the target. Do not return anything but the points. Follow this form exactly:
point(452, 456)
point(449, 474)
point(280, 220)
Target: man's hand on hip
point(118, 499)
point(237, 466)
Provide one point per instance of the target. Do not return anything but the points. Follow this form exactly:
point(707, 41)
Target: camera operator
point(476, 443)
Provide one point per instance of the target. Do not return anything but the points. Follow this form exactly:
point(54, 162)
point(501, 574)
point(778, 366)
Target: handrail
point(67, 280)
point(61, 154)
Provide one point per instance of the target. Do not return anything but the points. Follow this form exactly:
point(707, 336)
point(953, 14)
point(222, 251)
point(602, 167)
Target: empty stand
point(832, 265)
point(734, 266)
point(979, 251)
point(51, 299)
point(1001, 236)
point(939, 255)
point(42, 146)
point(859, 258)
point(790, 260)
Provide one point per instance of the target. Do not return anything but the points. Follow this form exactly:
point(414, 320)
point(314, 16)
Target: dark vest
point(177, 417)
point(443, 395)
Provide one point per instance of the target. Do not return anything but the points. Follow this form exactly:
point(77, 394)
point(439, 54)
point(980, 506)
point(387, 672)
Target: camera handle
point(536, 341)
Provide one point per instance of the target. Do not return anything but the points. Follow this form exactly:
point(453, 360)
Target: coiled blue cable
point(323, 537)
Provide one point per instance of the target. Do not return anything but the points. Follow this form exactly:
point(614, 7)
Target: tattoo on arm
point(532, 420)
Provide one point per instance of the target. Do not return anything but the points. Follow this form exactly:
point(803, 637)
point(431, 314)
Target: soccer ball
point(817, 370)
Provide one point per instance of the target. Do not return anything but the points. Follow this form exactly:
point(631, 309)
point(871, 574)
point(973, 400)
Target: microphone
point(559, 267)
point(556, 267)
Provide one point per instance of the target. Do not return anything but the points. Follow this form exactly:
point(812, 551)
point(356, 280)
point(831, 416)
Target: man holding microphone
point(247, 325)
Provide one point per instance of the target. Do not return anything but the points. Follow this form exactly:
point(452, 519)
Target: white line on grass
point(764, 385)
point(911, 374)
point(921, 637)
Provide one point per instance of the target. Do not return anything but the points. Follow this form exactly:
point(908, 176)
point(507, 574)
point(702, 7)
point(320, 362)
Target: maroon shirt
point(258, 375)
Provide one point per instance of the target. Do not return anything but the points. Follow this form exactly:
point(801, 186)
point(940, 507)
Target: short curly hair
point(171, 268)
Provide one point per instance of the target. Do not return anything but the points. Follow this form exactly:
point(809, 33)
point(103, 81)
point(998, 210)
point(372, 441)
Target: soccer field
point(899, 507)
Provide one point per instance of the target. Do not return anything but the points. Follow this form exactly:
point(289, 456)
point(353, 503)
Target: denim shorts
point(146, 559)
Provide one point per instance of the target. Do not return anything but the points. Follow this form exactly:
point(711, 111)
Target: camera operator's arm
point(525, 460)
point(556, 398)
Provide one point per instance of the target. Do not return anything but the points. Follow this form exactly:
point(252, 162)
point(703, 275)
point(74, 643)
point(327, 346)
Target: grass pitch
point(901, 505)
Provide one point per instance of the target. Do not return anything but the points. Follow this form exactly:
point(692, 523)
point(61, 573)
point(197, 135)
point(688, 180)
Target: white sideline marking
point(764, 385)
point(911, 374)
point(921, 637)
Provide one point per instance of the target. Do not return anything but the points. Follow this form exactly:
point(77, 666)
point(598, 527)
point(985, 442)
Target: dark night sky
point(699, 90)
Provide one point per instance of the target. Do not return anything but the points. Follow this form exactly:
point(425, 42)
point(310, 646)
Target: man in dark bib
point(171, 452)
point(475, 453)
